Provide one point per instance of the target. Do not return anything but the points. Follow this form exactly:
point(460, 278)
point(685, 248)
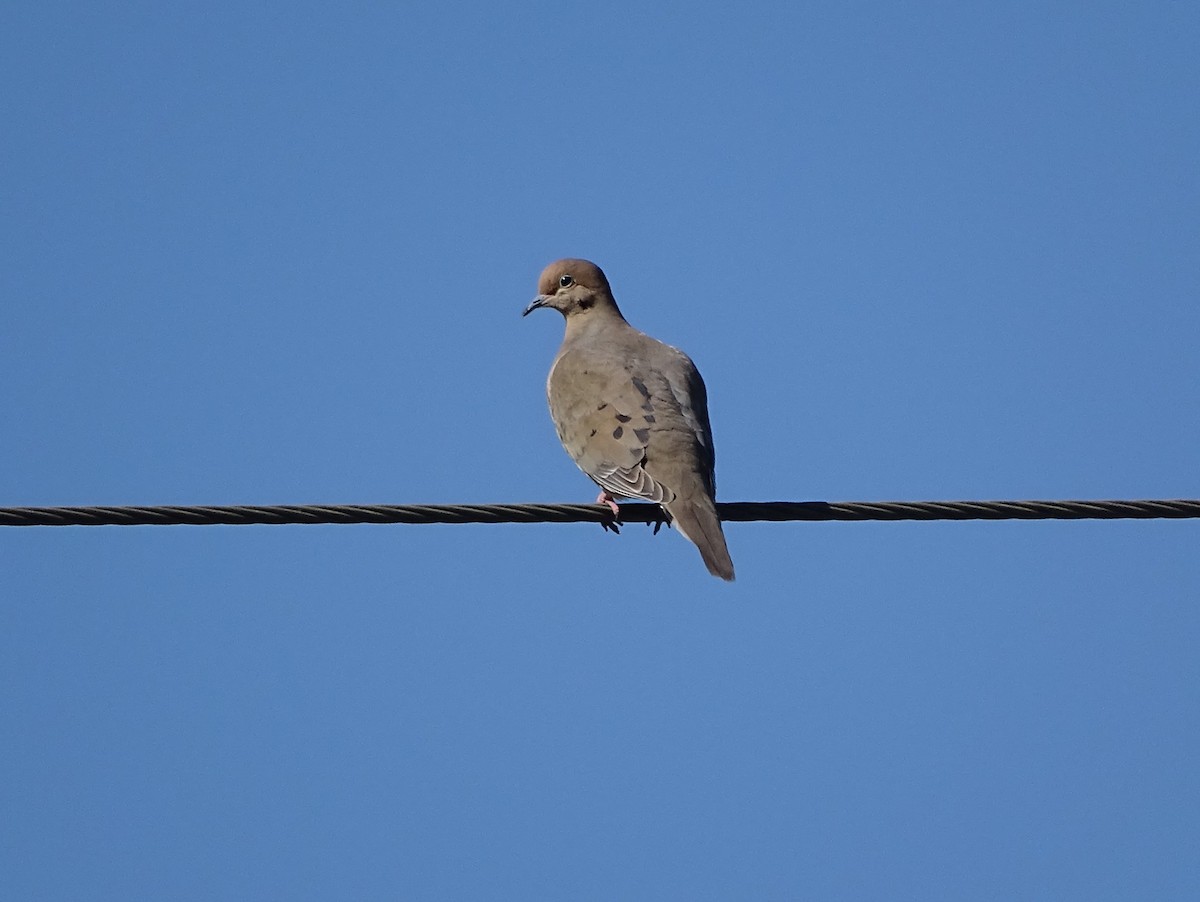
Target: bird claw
point(658, 524)
point(613, 523)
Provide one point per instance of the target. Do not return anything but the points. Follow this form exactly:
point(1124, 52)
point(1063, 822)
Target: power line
point(733, 512)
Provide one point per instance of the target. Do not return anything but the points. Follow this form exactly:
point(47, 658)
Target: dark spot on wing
point(618, 432)
point(649, 418)
point(622, 418)
point(602, 406)
point(643, 435)
point(593, 433)
point(641, 387)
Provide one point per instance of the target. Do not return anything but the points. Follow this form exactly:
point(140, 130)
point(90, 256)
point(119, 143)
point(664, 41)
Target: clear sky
point(277, 253)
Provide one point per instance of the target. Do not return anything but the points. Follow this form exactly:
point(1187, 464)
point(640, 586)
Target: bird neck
point(599, 318)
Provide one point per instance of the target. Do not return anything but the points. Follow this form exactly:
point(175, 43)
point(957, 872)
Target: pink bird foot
point(606, 498)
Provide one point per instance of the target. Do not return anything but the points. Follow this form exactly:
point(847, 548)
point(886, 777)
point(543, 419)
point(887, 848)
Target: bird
point(631, 411)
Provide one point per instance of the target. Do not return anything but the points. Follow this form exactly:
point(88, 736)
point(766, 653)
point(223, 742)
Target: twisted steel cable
point(734, 512)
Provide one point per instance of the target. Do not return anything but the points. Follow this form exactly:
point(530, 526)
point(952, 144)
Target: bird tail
point(697, 519)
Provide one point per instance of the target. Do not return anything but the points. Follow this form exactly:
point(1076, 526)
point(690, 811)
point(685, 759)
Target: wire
point(736, 512)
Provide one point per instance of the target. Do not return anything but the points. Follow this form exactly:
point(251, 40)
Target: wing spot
point(623, 418)
point(618, 432)
point(641, 387)
point(649, 418)
point(643, 435)
point(602, 406)
point(593, 433)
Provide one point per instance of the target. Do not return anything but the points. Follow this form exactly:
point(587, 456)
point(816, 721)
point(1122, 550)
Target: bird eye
point(565, 281)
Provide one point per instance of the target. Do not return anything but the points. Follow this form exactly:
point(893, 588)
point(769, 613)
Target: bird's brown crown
point(564, 274)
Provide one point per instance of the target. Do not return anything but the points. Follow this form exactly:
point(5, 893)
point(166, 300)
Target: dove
point(631, 411)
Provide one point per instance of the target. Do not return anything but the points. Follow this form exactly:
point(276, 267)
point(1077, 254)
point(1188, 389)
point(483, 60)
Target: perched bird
point(631, 411)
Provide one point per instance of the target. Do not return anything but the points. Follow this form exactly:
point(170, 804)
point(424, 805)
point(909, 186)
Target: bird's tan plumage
point(631, 411)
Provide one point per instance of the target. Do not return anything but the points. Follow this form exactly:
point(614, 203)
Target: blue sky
point(259, 253)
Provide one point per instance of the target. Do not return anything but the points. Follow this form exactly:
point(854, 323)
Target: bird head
point(573, 287)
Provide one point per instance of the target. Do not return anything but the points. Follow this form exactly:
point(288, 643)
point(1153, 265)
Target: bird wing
point(687, 411)
point(605, 412)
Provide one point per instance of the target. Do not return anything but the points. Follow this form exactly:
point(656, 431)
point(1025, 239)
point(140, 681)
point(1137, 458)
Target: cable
point(734, 512)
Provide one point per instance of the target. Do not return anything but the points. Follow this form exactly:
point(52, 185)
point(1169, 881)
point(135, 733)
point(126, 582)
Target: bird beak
point(539, 301)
